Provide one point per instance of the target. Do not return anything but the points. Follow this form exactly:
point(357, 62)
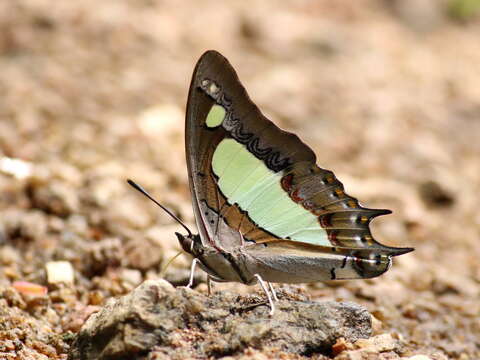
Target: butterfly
point(264, 210)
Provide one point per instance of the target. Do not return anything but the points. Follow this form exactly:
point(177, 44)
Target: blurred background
point(387, 93)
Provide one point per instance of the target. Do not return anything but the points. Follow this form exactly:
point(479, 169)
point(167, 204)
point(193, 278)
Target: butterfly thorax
point(222, 265)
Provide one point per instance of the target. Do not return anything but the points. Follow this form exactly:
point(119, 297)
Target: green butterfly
point(265, 211)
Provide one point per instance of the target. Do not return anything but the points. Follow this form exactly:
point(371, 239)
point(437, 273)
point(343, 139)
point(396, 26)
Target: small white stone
point(59, 272)
point(131, 276)
point(15, 167)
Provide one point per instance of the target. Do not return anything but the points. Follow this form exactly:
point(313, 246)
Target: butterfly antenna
point(144, 192)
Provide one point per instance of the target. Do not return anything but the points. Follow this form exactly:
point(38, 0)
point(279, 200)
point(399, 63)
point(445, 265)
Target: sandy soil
point(387, 93)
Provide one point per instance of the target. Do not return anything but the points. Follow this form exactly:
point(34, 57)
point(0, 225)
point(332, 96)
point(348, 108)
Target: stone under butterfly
point(264, 210)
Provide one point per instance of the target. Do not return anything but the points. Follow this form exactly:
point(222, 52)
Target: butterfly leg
point(272, 290)
point(209, 285)
point(192, 273)
point(264, 288)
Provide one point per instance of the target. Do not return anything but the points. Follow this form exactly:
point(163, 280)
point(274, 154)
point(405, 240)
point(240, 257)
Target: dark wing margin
point(199, 145)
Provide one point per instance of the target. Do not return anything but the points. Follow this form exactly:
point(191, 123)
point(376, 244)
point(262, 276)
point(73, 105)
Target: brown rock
point(156, 316)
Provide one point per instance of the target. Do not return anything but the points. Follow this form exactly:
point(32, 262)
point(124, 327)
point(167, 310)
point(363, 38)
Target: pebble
point(29, 289)
point(59, 272)
point(55, 197)
point(8, 255)
point(379, 343)
point(131, 277)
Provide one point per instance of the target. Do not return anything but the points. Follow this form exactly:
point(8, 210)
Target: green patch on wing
point(246, 181)
point(215, 116)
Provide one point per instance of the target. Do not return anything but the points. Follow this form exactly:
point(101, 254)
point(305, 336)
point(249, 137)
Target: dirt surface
point(387, 93)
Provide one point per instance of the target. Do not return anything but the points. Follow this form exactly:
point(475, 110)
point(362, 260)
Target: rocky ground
point(387, 93)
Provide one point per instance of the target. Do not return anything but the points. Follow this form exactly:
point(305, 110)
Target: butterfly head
point(190, 243)
point(220, 265)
